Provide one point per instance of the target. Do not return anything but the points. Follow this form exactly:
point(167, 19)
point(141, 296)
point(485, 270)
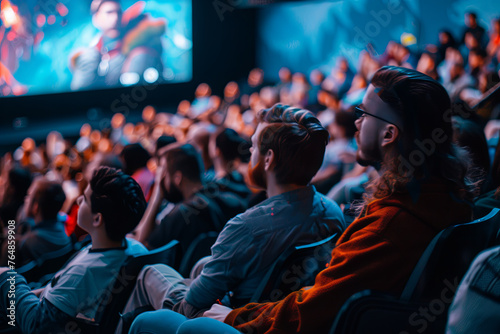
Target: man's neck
point(103, 242)
point(221, 168)
point(190, 188)
point(274, 189)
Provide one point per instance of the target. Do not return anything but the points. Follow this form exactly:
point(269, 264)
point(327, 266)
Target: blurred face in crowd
point(470, 21)
point(316, 77)
point(443, 38)
point(203, 90)
point(285, 74)
point(475, 60)
point(496, 26)
point(108, 18)
point(453, 55)
point(256, 171)
point(255, 77)
point(171, 192)
point(231, 90)
point(29, 200)
point(343, 65)
point(470, 41)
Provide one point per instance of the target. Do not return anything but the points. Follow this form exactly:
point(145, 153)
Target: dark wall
point(223, 50)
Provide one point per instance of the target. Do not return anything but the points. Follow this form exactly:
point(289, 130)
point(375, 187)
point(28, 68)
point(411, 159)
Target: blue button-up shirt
point(252, 241)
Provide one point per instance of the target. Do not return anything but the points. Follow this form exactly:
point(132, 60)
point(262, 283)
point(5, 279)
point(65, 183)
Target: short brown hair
point(298, 141)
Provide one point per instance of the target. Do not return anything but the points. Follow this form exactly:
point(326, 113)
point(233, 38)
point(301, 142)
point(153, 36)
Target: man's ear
point(390, 134)
point(97, 220)
point(177, 178)
point(269, 160)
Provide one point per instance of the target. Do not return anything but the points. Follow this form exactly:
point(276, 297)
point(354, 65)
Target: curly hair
point(298, 141)
point(119, 199)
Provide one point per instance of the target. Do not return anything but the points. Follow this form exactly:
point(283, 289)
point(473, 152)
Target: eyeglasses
point(360, 113)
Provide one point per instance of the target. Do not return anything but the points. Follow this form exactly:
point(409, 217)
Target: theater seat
point(449, 255)
point(45, 267)
point(200, 247)
point(108, 314)
point(370, 312)
point(294, 269)
point(423, 305)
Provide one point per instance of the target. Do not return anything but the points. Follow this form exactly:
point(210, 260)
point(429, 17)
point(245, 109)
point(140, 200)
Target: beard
point(174, 195)
point(257, 175)
point(368, 155)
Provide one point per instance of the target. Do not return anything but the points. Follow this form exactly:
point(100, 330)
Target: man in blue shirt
point(110, 207)
point(287, 150)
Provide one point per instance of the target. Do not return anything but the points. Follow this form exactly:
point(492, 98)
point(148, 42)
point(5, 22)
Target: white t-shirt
point(83, 285)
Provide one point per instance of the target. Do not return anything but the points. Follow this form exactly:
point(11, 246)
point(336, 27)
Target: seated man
point(199, 207)
point(294, 214)
point(43, 202)
point(404, 131)
point(226, 149)
point(110, 207)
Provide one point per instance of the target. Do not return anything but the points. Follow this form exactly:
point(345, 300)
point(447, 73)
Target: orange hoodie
point(378, 251)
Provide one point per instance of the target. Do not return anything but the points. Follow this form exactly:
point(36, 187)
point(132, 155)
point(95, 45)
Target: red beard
point(257, 175)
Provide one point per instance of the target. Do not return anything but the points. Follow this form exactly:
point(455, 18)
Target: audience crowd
point(384, 154)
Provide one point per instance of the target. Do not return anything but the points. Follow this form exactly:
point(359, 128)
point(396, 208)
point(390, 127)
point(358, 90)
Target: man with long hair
point(404, 130)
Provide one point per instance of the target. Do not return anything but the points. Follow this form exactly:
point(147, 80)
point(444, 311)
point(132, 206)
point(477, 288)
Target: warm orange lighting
point(85, 130)
point(95, 136)
point(148, 114)
point(28, 144)
point(117, 121)
point(128, 129)
point(8, 14)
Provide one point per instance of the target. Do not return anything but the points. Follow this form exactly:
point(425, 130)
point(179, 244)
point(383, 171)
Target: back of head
point(230, 144)
point(119, 199)
point(19, 181)
point(50, 198)
point(134, 157)
point(298, 141)
point(186, 159)
point(425, 147)
point(345, 120)
point(163, 141)
point(470, 135)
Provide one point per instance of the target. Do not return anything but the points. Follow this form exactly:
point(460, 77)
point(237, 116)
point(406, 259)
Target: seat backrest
point(200, 247)
point(369, 312)
point(46, 266)
point(449, 255)
point(108, 313)
point(295, 268)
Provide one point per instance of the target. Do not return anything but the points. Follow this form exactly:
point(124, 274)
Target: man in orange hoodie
point(404, 130)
